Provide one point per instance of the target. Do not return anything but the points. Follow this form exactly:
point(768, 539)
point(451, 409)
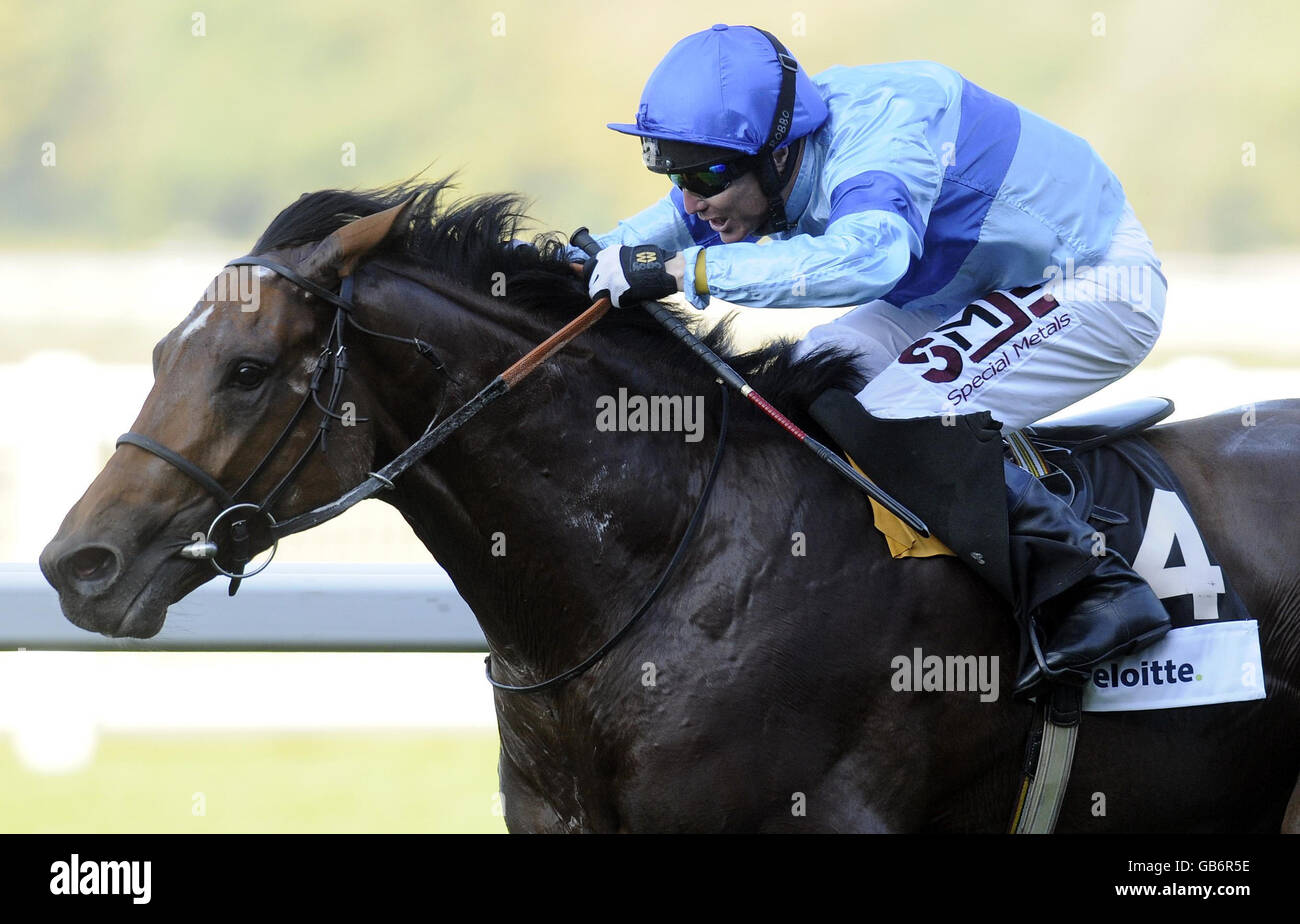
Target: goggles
point(709, 181)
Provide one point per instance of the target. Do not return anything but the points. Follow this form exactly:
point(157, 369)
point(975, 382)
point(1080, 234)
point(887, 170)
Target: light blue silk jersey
point(920, 188)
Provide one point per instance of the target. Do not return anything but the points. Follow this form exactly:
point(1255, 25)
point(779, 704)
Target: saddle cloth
point(1134, 500)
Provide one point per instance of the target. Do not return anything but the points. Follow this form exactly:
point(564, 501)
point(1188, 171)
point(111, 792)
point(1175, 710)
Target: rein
point(240, 523)
point(685, 541)
point(250, 523)
point(242, 529)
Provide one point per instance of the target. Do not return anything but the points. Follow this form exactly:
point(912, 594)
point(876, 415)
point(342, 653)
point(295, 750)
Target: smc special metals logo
point(983, 328)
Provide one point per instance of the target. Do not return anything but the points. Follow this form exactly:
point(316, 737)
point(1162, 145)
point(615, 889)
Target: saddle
point(1116, 481)
point(1055, 454)
point(1085, 431)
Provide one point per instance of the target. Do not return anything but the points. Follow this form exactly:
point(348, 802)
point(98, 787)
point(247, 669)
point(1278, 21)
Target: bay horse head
point(271, 398)
point(274, 397)
point(249, 392)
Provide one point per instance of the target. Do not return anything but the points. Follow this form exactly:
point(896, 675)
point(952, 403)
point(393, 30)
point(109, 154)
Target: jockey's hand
point(630, 275)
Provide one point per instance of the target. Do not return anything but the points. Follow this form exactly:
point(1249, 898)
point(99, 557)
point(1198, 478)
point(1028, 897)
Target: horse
point(754, 694)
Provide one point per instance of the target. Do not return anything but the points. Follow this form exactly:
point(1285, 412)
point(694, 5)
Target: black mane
point(469, 241)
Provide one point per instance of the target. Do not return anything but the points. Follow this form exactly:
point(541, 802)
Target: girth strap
point(1049, 756)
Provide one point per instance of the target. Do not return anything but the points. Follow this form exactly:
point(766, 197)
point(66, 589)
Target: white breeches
point(1021, 354)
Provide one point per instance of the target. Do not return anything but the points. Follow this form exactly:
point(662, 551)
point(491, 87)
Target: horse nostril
point(90, 564)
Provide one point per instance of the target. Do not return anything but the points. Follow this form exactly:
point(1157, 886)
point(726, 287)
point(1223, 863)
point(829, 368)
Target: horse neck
point(551, 529)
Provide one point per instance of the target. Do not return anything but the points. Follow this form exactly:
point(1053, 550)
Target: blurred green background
point(163, 134)
point(294, 783)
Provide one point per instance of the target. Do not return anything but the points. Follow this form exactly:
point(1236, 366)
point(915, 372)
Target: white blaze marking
point(198, 323)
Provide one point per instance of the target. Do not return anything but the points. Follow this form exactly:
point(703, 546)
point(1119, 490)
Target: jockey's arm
point(663, 224)
point(859, 258)
point(879, 181)
point(880, 185)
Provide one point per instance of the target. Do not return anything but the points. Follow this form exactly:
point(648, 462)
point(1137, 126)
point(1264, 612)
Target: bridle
point(240, 521)
point(241, 524)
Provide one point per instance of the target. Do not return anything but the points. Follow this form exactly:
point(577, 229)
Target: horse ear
point(338, 254)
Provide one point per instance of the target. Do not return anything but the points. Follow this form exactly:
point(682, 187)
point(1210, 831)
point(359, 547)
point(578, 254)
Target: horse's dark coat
point(760, 681)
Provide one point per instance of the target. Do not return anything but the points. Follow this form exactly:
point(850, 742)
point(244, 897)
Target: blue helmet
point(723, 94)
point(719, 88)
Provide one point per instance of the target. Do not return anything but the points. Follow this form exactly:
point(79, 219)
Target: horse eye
point(248, 375)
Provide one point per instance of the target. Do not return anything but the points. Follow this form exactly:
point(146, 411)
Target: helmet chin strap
point(772, 182)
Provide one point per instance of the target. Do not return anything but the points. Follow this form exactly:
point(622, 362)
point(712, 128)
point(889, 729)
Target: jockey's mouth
point(728, 227)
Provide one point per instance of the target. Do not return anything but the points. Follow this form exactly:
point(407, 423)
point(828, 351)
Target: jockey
point(971, 236)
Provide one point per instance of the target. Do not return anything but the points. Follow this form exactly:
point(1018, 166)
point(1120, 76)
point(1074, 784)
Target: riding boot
point(1083, 601)
point(1076, 602)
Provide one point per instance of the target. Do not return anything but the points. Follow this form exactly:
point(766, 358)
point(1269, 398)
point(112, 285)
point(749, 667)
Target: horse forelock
point(475, 242)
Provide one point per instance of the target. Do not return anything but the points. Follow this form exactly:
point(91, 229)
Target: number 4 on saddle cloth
point(1117, 483)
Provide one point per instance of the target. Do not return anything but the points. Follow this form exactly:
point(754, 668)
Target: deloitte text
point(1146, 674)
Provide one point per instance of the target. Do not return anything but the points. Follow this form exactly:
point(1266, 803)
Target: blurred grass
point(162, 134)
point(435, 782)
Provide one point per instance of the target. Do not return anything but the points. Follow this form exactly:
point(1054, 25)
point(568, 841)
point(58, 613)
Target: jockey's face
point(740, 209)
point(735, 213)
